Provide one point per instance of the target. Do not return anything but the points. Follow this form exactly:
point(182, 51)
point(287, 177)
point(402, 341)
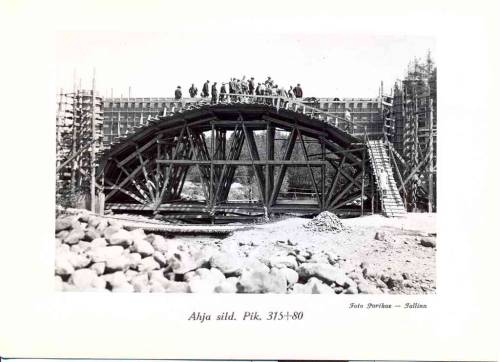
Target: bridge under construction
point(268, 139)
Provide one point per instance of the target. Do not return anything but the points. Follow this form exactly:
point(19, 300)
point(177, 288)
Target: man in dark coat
point(205, 91)
point(251, 86)
point(193, 91)
point(178, 93)
point(297, 91)
point(223, 92)
point(214, 93)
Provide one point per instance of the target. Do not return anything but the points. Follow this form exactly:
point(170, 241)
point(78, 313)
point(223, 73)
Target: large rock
point(138, 233)
point(428, 242)
point(251, 264)
point(99, 242)
point(140, 283)
point(117, 279)
point(259, 282)
point(290, 275)
point(85, 279)
point(121, 262)
point(63, 223)
point(181, 262)
point(62, 249)
point(148, 264)
point(160, 244)
point(120, 237)
point(103, 225)
point(81, 247)
point(380, 235)
point(84, 216)
point(227, 263)
point(105, 253)
point(160, 258)
point(325, 272)
point(131, 274)
point(61, 235)
point(78, 261)
point(283, 262)
point(159, 276)
point(91, 233)
point(63, 265)
point(313, 286)
point(227, 286)
point(93, 221)
point(134, 259)
point(198, 284)
point(99, 267)
point(74, 236)
point(142, 247)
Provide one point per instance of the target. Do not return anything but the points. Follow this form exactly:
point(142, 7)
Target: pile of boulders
point(99, 254)
point(325, 222)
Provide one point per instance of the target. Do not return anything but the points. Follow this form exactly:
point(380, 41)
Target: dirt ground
point(399, 253)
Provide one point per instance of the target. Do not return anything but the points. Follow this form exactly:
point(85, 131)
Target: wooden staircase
point(392, 204)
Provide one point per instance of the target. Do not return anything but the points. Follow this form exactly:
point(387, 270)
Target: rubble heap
point(325, 222)
point(97, 254)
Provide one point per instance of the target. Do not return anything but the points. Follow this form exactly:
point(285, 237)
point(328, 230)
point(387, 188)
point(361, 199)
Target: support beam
point(281, 173)
point(254, 155)
point(311, 174)
point(345, 189)
point(335, 181)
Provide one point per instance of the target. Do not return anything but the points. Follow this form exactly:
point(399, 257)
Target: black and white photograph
point(304, 164)
point(249, 181)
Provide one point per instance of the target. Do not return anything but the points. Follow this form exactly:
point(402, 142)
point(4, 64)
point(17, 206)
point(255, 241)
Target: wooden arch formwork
point(147, 172)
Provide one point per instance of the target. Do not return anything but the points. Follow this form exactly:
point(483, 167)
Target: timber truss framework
point(148, 170)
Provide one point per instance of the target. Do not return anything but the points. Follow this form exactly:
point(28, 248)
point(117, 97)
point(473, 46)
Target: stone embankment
point(97, 254)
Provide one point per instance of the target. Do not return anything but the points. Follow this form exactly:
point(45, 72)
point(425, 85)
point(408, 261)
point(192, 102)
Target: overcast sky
point(153, 64)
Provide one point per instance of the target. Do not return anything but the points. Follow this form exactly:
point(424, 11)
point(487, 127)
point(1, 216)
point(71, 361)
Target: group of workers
point(238, 88)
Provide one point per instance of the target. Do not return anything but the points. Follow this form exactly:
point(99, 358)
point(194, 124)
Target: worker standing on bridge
point(297, 91)
point(178, 93)
point(237, 88)
point(290, 93)
point(205, 90)
point(251, 86)
point(223, 92)
point(214, 93)
point(244, 85)
point(193, 91)
point(232, 88)
point(258, 91)
point(268, 82)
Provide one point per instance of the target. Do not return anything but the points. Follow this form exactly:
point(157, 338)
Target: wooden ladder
point(392, 204)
